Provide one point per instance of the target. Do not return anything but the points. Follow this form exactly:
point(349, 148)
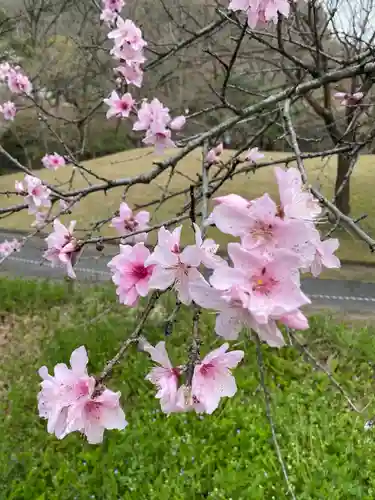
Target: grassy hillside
point(99, 205)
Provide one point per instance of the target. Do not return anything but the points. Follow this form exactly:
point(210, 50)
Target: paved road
point(348, 296)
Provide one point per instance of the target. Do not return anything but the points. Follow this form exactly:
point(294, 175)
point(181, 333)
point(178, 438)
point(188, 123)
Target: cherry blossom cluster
point(18, 83)
point(257, 290)
point(212, 380)
point(261, 11)
point(36, 194)
point(71, 400)
point(152, 117)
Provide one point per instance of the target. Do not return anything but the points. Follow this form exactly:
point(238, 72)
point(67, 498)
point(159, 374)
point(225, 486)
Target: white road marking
point(88, 270)
point(77, 268)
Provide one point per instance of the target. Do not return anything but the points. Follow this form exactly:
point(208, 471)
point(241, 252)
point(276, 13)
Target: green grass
point(129, 163)
point(228, 455)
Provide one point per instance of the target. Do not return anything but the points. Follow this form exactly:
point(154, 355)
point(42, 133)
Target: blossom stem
point(134, 337)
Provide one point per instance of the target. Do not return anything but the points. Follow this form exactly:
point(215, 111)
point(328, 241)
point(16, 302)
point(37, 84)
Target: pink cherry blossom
point(92, 414)
point(177, 123)
point(119, 106)
point(127, 222)
point(159, 136)
point(132, 73)
point(113, 5)
point(70, 401)
point(108, 16)
point(203, 252)
point(324, 256)
point(128, 41)
point(19, 83)
point(213, 378)
point(233, 315)
point(295, 320)
point(213, 154)
point(8, 247)
point(58, 392)
point(165, 377)
point(8, 109)
point(269, 287)
point(296, 202)
point(253, 155)
point(150, 113)
point(261, 10)
point(53, 161)
point(36, 194)
point(348, 99)
point(4, 71)
point(173, 267)
point(63, 247)
point(131, 275)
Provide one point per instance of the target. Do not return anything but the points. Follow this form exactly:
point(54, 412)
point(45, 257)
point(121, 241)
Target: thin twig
point(323, 369)
point(267, 400)
point(134, 337)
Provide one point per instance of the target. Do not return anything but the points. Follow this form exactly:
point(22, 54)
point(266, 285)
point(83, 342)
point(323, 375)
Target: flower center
point(140, 271)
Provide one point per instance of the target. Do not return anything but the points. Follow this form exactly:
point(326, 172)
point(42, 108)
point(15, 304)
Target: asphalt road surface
point(348, 296)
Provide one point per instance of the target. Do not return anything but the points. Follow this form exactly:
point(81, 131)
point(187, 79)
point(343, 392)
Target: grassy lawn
point(228, 455)
point(99, 206)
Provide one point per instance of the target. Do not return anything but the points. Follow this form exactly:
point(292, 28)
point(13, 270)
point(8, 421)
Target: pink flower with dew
point(70, 401)
point(270, 287)
point(113, 5)
point(159, 137)
point(177, 123)
point(36, 194)
point(324, 256)
point(63, 247)
point(173, 267)
point(119, 106)
point(130, 274)
point(8, 247)
point(233, 315)
point(348, 99)
point(165, 377)
point(108, 16)
point(150, 113)
point(296, 202)
point(213, 379)
point(132, 72)
point(253, 155)
point(53, 161)
point(4, 71)
point(8, 109)
point(127, 222)
point(203, 252)
point(19, 83)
